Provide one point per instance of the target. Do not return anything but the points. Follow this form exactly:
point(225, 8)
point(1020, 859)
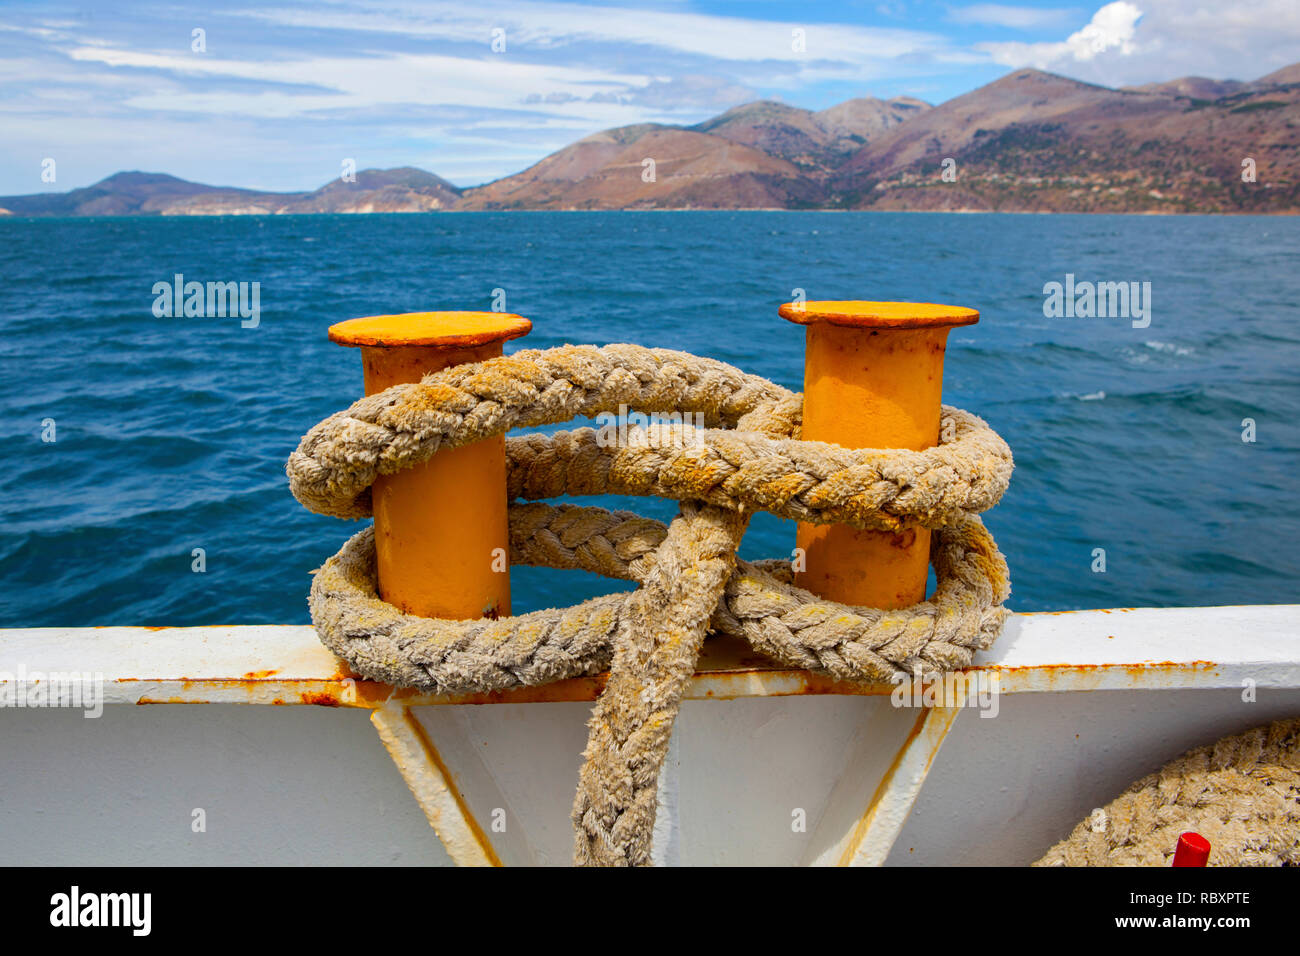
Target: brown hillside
point(692, 170)
point(1036, 142)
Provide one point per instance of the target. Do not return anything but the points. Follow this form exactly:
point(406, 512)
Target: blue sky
point(285, 91)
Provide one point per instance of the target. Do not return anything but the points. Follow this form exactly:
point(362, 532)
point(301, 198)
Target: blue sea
point(171, 433)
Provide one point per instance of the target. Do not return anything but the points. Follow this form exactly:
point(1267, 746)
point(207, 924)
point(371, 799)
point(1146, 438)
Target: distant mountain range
point(1028, 142)
point(145, 194)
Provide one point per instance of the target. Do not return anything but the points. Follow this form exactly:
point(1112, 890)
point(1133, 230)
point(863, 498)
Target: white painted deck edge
point(1129, 648)
point(871, 800)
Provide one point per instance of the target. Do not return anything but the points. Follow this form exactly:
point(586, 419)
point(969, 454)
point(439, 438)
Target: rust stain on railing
point(1134, 675)
point(728, 670)
point(705, 685)
point(709, 685)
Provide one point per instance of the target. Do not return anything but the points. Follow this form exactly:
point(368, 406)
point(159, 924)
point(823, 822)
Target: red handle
point(1193, 850)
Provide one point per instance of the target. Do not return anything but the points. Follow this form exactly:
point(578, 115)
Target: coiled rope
point(1242, 794)
point(747, 458)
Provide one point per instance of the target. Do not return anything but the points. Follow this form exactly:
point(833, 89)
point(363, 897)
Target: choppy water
point(171, 433)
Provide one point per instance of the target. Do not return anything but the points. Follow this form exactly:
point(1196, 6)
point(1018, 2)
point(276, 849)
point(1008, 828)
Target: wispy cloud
point(553, 26)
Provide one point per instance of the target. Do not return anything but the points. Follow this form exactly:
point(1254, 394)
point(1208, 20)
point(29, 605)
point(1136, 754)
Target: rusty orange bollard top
point(873, 378)
point(441, 536)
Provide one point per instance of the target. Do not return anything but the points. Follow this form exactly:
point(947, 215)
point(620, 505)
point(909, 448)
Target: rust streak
point(886, 780)
point(729, 681)
point(320, 700)
point(436, 759)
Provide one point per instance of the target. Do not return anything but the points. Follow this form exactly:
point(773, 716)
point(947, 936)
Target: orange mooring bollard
point(873, 378)
point(441, 537)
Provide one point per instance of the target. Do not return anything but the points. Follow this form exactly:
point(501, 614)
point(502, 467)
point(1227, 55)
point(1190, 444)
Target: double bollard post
point(873, 378)
point(442, 540)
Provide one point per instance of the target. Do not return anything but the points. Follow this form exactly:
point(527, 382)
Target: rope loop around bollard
point(749, 458)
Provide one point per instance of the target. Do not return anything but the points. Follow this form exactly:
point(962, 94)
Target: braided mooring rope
point(749, 458)
point(1242, 794)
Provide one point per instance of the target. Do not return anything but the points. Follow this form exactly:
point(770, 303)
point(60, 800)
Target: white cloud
point(599, 66)
point(361, 82)
point(1153, 40)
point(547, 25)
point(1113, 28)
